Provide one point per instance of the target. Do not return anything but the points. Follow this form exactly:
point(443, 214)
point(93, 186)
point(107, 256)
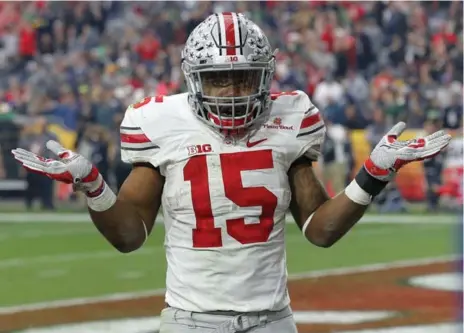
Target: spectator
point(46, 45)
point(364, 49)
point(353, 118)
point(2, 166)
point(396, 51)
point(59, 37)
point(334, 157)
point(66, 109)
point(357, 88)
point(392, 106)
point(106, 107)
point(94, 146)
point(81, 63)
point(9, 46)
point(394, 21)
point(415, 106)
point(27, 43)
point(452, 115)
point(34, 137)
point(433, 169)
point(378, 128)
point(148, 48)
point(334, 111)
point(427, 86)
point(328, 91)
point(87, 40)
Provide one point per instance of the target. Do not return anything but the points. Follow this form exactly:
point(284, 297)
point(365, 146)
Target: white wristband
point(305, 225)
point(104, 201)
point(356, 194)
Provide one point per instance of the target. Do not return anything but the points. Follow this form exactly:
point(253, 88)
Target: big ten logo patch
point(199, 149)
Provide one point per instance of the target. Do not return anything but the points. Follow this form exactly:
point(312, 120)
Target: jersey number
point(206, 234)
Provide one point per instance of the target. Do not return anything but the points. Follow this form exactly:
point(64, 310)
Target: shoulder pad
point(147, 100)
point(311, 132)
point(146, 103)
point(296, 100)
point(311, 120)
point(136, 146)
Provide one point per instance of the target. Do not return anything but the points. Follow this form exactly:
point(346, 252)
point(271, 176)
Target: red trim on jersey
point(143, 102)
point(310, 121)
point(229, 28)
point(134, 138)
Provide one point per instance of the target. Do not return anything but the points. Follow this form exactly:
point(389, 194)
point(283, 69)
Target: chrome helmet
point(228, 66)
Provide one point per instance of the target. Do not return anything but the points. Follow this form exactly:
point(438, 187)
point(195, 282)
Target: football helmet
point(228, 66)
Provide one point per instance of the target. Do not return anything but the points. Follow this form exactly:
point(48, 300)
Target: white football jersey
point(224, 202)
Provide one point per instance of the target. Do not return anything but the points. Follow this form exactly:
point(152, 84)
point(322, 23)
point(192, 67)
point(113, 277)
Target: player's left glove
point(390, 155)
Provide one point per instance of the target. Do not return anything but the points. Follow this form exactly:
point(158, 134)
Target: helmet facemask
point(230, 100)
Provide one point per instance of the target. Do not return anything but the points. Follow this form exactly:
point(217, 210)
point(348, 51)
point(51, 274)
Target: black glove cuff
point(371, 185)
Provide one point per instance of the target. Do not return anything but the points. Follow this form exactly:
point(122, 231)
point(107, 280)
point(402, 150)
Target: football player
point(227, 160)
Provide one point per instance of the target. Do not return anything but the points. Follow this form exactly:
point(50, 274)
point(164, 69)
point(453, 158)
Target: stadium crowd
point(78, 65)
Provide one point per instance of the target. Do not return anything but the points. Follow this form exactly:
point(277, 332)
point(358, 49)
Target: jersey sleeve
point(136, 146)
point(312, 129)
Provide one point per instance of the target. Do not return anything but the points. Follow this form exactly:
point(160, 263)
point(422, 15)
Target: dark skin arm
point(332, 218)
point(137, 202)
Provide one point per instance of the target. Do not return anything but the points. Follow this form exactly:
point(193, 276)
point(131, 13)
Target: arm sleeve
point(136, 147)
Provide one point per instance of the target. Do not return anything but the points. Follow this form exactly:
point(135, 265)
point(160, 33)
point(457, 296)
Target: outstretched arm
point(330, 218)
point(126, 219)
point(323, 220)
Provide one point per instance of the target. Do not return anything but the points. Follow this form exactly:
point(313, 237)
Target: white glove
point(390, 154)
point(69, 168)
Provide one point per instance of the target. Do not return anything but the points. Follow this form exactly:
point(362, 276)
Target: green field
point(44, 261)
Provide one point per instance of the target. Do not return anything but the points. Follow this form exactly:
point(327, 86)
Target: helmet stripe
point(229, 27)
point(236, 30)
point(220, 32)
point(239, 25)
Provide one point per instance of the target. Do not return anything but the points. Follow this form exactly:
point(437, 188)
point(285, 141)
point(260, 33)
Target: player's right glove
point(69, 168)
point(390, 155)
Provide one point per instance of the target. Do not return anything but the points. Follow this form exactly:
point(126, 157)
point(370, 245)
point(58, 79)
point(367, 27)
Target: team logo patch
point(277, 124)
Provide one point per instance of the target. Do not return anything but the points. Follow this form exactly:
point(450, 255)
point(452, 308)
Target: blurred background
point(68, 70)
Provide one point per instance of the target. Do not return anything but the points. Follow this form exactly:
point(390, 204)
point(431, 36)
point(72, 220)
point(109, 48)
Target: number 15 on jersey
point(206, 234)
